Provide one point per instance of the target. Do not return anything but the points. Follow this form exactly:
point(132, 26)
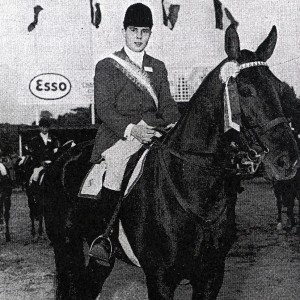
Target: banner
point(221, 13)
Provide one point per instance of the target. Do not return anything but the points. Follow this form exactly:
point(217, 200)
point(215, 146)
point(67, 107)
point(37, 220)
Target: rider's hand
point(143, 133)
point(45, 163)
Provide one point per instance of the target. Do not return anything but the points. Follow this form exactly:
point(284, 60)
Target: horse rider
point(132, 98)
point(6, 160)
point(42, 148)
point(5, 190)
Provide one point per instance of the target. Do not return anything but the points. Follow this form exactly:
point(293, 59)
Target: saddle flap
point(92, 183)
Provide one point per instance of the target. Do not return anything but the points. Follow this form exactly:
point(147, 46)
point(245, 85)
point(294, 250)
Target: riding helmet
point(138, 15)
point(44, 123)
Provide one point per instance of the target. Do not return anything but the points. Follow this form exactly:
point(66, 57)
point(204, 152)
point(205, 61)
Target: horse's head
point(62, 149)
point(263, 126)
point(241, 100)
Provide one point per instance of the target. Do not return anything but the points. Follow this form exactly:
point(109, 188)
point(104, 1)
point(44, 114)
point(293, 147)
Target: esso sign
point(50, 86)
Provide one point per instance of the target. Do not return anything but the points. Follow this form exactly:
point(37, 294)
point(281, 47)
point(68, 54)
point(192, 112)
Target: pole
point(92, 102)
point(20, 145)
point(37, 115)
point(93, 111)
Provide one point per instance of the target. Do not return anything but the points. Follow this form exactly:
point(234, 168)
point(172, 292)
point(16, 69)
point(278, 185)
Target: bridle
point(249, 160)
point(245, 159)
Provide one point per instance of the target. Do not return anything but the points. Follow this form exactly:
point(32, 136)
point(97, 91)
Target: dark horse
point(178, 217)
point(33, 190)
point(5, 202)
point(286, 192)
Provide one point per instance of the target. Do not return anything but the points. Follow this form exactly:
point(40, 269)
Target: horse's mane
point(199, 128)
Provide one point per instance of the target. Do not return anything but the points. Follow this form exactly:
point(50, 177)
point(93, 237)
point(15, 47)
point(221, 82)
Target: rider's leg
point(116, 159)
point(35, 175)
point(102, 247)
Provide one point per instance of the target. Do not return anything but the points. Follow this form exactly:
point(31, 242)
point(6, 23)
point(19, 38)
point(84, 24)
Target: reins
point(273, 123)
point(181, 200)
point(213, 171)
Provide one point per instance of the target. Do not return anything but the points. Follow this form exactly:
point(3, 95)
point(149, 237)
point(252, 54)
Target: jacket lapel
point(148, 67)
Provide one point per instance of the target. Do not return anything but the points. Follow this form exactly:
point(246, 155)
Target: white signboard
point(50, 86)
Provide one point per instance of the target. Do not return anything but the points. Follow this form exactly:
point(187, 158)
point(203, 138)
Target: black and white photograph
point(149, 150)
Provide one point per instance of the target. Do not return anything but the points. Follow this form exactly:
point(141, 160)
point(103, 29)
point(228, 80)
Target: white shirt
point(44, 137)
point(136, 57)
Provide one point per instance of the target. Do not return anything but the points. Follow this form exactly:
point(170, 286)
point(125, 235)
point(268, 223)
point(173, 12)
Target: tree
point(78, 117)
point(47, 115)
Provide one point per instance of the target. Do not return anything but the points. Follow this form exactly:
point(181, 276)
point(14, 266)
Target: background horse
point(5, 200)
point(20, 173)
point(33, 193)
point(178, 217)
point(33, 190)
point(286, 193)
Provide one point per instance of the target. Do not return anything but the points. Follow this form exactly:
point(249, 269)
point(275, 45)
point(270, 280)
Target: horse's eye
point(246, 91)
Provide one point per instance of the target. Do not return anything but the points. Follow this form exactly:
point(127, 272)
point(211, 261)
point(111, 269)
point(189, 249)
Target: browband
point(253, 64)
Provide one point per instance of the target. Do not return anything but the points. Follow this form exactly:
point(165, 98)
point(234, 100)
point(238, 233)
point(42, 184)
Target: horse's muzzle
point(282, 169)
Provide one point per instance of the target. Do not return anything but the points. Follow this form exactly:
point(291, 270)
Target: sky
point(64, 42)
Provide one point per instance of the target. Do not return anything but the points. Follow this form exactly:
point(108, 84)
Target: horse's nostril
point(281, 161)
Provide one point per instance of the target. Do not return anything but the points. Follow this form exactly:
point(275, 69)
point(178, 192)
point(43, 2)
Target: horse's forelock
point(247, 56)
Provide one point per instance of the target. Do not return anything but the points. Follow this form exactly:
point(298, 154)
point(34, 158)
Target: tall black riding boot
point(102, 248)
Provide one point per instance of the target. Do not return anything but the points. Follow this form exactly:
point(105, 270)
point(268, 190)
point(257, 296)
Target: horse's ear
point(266, 48)
point(232, 42)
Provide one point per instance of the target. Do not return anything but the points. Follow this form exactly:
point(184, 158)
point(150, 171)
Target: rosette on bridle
point(232, 111)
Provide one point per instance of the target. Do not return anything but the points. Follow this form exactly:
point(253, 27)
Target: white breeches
point(36, 174)
point(116, 158)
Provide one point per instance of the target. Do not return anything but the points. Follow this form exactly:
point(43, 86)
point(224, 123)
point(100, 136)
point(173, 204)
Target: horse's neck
point(188, 181)
point(196, 132)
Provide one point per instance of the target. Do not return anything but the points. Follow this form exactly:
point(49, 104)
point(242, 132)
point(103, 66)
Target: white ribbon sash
point(137, 75)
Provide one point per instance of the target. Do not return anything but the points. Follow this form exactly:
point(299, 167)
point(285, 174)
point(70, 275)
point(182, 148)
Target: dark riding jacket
point(119, 101)
point(41, 151)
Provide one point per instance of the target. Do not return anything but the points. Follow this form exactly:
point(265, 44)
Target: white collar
point(136, 57)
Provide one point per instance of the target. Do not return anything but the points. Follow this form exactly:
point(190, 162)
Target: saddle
point(93, 181)
point(38, 173)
